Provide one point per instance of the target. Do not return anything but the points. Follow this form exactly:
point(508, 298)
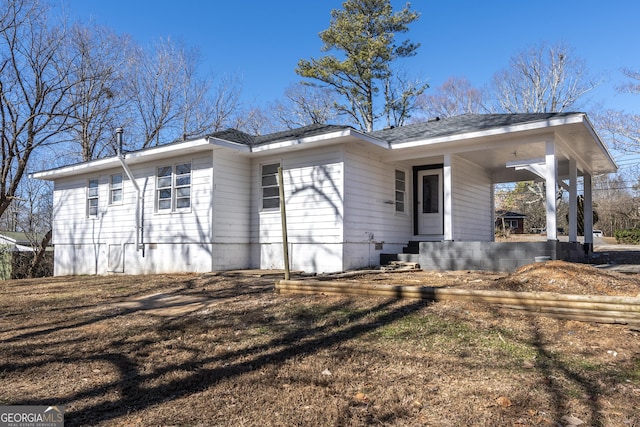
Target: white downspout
point(140, 199)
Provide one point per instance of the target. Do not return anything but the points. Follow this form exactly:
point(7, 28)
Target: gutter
point(139, 240)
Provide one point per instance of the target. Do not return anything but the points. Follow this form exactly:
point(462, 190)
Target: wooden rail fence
point(586, 308)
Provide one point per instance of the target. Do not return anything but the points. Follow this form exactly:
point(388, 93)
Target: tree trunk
point(39, 255)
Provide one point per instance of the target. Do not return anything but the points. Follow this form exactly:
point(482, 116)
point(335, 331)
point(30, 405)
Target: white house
point(212, 203)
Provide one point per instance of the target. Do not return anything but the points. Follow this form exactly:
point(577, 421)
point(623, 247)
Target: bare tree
point(542, 79)
point(401, 97)
point(454, 97)
point(255, 121)
point(171, 101)
point(34, 211)
point(619, 128)
point(33, 87)
point(305, 104)
point(155, 90)
point(617, 206)
point(224, 104)
point(97, 99)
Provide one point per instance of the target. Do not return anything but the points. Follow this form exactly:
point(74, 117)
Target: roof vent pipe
point(119, 132)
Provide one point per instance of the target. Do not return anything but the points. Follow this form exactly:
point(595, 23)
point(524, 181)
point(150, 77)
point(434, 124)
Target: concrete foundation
point(495, 256)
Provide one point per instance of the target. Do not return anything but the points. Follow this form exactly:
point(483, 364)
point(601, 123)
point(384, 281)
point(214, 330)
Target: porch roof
point(495, 140)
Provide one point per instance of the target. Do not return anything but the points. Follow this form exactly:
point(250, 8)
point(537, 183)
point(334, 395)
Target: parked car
point(597, 233)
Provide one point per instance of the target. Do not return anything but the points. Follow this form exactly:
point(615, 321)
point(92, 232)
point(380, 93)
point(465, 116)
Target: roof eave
point(503, 130)
point(160, 152)
point(601, 145)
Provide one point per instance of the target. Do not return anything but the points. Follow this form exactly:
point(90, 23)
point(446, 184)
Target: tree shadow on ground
point(305, 337)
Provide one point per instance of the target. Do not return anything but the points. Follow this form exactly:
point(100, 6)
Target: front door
point(430, 202)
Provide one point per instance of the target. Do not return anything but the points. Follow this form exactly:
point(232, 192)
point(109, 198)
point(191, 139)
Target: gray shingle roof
point(459, 125)
point(234, 135)
point(303, 132)
point(418, 131)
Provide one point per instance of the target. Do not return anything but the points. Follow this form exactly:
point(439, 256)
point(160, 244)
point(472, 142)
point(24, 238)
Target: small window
point(270, 190)
point(115, 190)
point(400, 191)
point(430, 199)
point(163, 189)
point(92, 198)
point(173, 188)
point(183, 186)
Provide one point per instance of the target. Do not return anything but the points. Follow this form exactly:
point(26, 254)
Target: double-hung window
point(173, 188)
point(92, 198)
point(401, 191)
point(269, 184)
point(115, 189)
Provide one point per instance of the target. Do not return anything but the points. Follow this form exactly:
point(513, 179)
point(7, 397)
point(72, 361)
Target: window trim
point(113, 189)
point(398, 191)
point(90, 197)
point(174, 186)
point(264, 187)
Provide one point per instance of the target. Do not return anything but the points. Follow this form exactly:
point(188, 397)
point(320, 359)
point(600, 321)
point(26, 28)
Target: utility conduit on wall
point(139, 239)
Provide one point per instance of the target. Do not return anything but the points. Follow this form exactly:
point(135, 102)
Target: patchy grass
point(189, 350)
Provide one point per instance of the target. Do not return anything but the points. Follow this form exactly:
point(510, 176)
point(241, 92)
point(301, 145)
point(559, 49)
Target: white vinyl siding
point(313, 186)
point(370, 207)
point(472, 201)
point(93, 197)
point(171, 244)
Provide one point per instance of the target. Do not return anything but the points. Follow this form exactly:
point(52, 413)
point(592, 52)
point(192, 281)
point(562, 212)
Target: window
point(92, 198)
point(511, 223)
point(183, 186)
point(163, 188)
point(430, 199)
point(115, 189)
point(270, 191)
point(173, 188)
point(400, 191)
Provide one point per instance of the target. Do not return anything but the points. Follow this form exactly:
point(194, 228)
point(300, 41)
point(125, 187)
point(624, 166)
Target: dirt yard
point(226, 350)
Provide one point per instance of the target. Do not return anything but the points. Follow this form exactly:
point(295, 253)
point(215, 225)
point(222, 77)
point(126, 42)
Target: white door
point(430, 202)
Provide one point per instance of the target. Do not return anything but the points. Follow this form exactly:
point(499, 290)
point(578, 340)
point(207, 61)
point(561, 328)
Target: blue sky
point(261, 42)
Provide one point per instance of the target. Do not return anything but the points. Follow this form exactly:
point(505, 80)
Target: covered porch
point(560, 150)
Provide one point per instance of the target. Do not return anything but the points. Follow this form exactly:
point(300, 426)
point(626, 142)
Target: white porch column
point(448, 199)
point(573, 201)
point(551, 177)
point(588, 211)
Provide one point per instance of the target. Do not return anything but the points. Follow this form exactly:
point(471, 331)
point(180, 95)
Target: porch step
point(412, 248)
point(401, 266)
